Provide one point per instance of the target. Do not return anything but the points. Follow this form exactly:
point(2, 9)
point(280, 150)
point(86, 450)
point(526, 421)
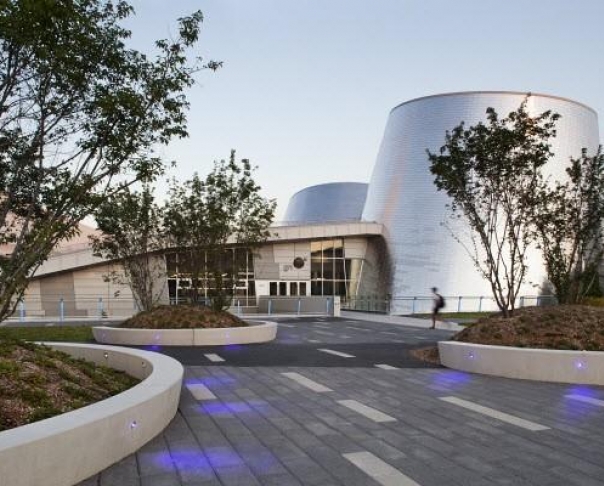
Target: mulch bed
point(182, 317)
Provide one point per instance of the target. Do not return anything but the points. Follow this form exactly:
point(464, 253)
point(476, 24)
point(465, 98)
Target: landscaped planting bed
point(37, 382)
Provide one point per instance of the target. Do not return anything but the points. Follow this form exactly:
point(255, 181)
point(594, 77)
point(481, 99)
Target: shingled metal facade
point(402, 195)
point(338, 201)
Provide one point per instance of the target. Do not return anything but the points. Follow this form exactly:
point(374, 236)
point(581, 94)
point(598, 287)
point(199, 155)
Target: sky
point(307, 85)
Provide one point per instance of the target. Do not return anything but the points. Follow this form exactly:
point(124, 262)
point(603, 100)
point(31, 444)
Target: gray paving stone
point(92, 481)
point(279, 480)
point(122, 472)
point(267, 430)
point(236, 476)
point(161, 480)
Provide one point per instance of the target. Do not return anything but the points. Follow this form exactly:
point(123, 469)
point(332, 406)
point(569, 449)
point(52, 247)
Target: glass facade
point(237, 275)
point(330, 272)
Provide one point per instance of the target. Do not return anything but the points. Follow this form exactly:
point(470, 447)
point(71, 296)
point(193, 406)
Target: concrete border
point(71, 447)
point(559, 366)
point(254, 333)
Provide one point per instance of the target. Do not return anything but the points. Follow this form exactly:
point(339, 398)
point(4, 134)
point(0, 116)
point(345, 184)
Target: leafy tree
point(79, 116)
point(491, 172)
point(568, 225)
point(203, 216)
point(130, 226)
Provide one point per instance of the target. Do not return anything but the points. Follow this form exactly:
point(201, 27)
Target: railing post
point(270, 306)
point(459, 304)
point(299, 305)
point(327, 306)
point(61, 309)
point(480, 304)
point(238, 307)
point(100, 307)
point(21, 310)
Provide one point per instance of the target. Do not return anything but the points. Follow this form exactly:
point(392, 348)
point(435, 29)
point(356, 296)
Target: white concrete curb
point(71, 447)
point(254, 333)
point(560, 366)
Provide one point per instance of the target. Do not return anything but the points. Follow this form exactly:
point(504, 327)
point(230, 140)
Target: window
point(273, 288)
point(293, 288)
point(303, 288)
point(282, 288)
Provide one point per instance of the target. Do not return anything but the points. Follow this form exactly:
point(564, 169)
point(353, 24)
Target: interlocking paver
point(264, 429)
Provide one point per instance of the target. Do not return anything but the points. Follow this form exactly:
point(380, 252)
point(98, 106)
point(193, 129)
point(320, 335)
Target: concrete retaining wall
point(581, 367)
point(254, 333)
point(71, 447)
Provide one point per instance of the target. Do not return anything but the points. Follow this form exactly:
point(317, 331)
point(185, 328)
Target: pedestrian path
point(356, 412)
point(400, 320)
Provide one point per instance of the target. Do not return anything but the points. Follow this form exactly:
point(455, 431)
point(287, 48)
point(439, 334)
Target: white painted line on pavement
point(380, 471)
point(386, 367)
point(369, 412)
point(313, 341)
point(581, 398)
point(322, 326)
point(307, 382)
point(214, 358)
point(344, 336)
point(496, 414)
point(336, 353)
point(326, 333)
point(388, 332)
point(200, 391)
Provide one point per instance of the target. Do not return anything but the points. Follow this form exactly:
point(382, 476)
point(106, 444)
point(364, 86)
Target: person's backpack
point(441, 301)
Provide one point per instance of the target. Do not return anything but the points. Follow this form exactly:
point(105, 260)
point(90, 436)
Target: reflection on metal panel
point(339, 201)
point(403, 197)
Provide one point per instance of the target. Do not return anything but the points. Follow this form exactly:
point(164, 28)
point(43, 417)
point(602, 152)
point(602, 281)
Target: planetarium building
point(388, 240)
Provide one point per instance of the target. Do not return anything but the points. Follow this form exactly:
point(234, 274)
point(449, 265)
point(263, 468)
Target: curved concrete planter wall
point(581, 367)
point(254, 333)
point(68, 448)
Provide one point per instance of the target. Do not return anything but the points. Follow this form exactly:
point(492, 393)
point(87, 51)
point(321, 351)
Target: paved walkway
point(356, 423)
point(401, 320)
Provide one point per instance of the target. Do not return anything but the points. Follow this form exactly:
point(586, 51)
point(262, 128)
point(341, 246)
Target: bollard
point(299, 305)
point(327, 306)
point(21, 310)
point(480, 304)
point(459, 304)
point(413, 306)
point(61, 310)
point(522, 301)
point(238, 307)
point(270, 306)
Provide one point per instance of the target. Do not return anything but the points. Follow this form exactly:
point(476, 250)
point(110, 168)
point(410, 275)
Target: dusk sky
point(307, 86)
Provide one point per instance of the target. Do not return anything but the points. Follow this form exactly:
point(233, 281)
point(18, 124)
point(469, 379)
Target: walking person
point(438, 302)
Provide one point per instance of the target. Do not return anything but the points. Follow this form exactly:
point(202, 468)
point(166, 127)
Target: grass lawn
point(80, 334)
